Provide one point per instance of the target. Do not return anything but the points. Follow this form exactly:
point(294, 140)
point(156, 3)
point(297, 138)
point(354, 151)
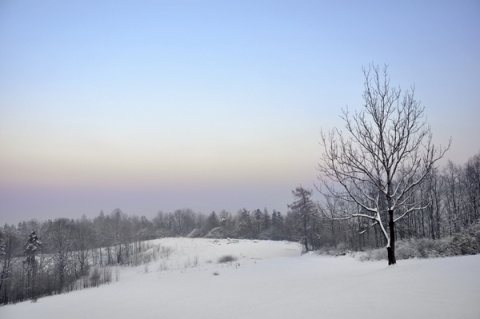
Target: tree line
point(55, 256)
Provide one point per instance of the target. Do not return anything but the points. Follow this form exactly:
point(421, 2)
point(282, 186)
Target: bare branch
point(384, 154)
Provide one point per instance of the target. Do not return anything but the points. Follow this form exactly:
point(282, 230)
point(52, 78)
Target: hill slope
point(270, 280)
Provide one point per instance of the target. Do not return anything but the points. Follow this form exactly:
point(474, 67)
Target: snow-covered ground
point(270, 280)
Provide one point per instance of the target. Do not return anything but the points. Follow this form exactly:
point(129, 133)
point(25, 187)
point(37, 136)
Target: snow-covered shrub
point(374, 254)
point(100, 275)
point(95, 277)
point(165, 252)
point(464, 244)
point(191, 263)
point(227, 259)
point(441, 247)
point(195, 233)
point(107, 275)
point(217, 232)
point(406, 249)
point(474, 231)
point(341, 248)
point(327, 250)
point(425, 246)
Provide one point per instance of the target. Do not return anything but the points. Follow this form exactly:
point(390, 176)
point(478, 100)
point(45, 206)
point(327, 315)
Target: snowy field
point(270, 280)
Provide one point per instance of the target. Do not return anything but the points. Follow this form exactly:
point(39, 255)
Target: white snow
point(270, 280)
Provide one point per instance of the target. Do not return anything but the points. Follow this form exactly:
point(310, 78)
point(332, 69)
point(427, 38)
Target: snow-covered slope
point(270, 280)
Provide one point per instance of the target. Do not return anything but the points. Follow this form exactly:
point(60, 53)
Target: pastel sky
point(210, 105)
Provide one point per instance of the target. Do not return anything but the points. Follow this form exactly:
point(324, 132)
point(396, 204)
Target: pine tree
point(31, 248)
point(303, 209)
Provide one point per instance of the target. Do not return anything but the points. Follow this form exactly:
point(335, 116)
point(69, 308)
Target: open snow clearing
point(269, 279)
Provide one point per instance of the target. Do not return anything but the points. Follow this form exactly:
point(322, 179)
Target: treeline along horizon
point(39, 258)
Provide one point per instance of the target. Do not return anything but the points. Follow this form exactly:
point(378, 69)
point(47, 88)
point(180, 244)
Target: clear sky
point(210, 105)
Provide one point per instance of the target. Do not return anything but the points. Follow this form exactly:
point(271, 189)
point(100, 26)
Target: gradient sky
point(211, 105)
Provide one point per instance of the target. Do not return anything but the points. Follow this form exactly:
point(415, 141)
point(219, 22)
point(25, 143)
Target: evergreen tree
point(212, 221)
point(31, 248)
point(303, 210)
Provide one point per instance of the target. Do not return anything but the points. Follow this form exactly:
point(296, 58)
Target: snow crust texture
point(270, 280)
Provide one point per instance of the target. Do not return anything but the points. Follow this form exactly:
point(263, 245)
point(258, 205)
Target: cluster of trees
point(51, 257)
point(55, 256)
point(453, 193)
point(44, 258)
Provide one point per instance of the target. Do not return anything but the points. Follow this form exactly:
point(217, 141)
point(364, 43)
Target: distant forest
point(39, 258)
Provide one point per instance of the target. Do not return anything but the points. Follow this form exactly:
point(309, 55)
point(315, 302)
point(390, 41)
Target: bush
point(373, 255)
point(474, 230)
point(195, 233)
point(340, 250)
point(465, 243)
point(406, 249)
point(217, 232)
point(95, 278)
point(226, 259)
point(420, 248)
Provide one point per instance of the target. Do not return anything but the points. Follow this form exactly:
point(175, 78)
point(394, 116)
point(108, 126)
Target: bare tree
point(434, 192)
point(472, 187)
point(382, 158)
point(60, 239)
point(329, 209)
point(453, 193)
point(9, 244)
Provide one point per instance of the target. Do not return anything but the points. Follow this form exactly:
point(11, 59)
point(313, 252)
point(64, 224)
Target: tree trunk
point(305, 231)
point(391, 256)
point(391, 249)
point(334, 239)
point(305, 242)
